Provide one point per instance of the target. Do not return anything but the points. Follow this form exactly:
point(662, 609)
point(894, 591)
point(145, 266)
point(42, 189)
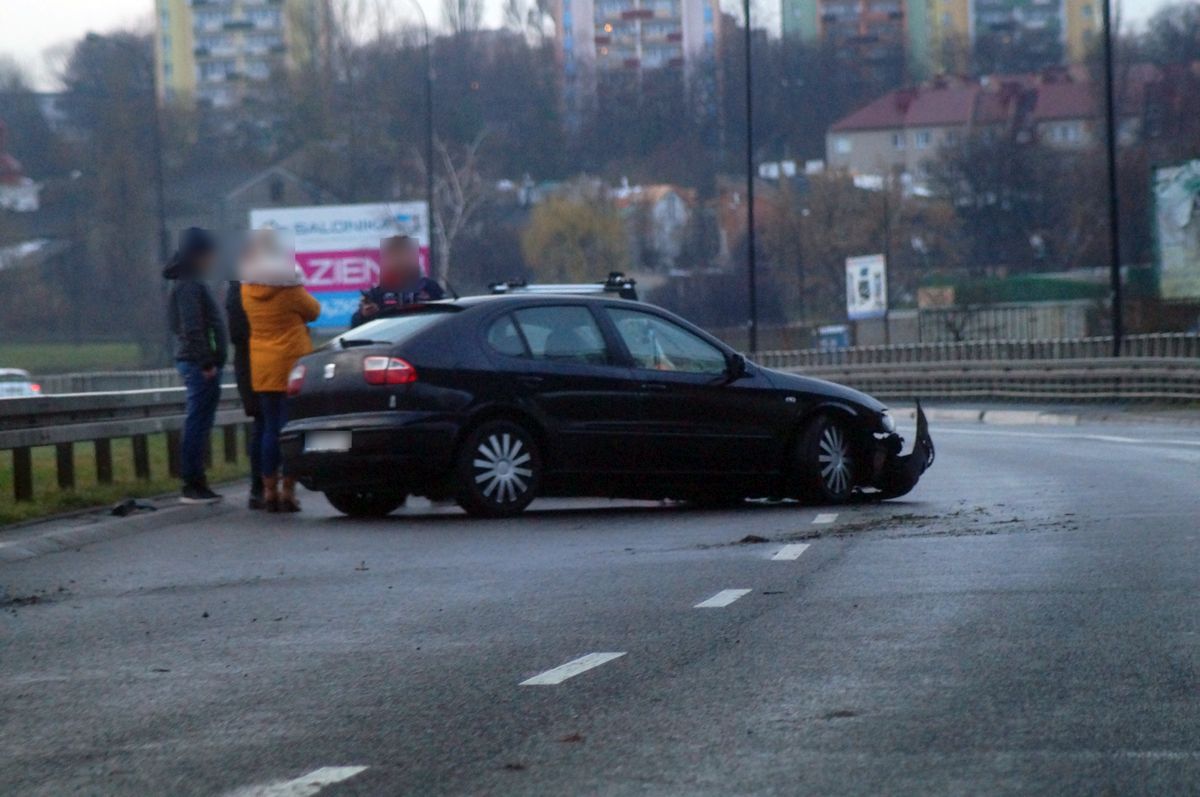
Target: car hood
point(788, 381)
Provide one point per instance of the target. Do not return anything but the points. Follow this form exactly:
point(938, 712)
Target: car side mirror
point(735, 369)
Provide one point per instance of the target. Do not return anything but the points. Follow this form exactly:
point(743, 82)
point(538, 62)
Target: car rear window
point(11, 379)
point(394, 330)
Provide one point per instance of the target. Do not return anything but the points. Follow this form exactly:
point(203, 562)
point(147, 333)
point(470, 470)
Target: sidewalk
point(1026, 414)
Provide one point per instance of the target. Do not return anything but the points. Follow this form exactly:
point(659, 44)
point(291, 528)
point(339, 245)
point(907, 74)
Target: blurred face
point(205, 263)
point(399, 265)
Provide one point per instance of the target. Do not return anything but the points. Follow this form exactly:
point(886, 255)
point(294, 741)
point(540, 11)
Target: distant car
point(15, 383)
point(494, 401)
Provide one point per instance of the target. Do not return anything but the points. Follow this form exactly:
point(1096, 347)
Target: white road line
point(789, 552)
point(825, 518)
point(569, 670)
point(722, 599)
point(303, 786)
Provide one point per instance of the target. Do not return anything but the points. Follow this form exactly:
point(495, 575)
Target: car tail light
point(388, 371)
point(296, 380)
point(36, 388)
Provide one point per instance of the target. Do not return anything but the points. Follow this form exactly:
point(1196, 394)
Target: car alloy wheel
point(824, 467)
point(500, 470)
point(835, 461)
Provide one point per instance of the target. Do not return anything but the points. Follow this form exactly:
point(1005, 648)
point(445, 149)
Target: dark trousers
point(274, 416)
point(254, 450)
point(203, 395)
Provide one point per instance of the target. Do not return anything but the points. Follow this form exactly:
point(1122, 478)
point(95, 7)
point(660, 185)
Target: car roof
point(13, 372)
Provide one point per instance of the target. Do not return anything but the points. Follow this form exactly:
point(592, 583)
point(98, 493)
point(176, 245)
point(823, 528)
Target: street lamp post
point(752, 255)
point(1114, 235)
point(428, 134)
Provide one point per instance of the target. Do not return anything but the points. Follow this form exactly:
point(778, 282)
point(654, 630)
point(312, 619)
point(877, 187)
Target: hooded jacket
point(195, 319)
point(279, 336)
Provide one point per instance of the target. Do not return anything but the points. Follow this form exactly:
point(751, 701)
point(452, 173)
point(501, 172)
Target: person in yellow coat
point(279, 310)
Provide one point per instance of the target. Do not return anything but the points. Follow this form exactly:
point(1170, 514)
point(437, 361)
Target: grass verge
point(49, 500)
point(56, 358)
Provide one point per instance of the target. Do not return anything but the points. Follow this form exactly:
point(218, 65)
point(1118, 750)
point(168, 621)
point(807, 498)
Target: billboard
point(866, 287)
point(337, 246)
point(1177, 229)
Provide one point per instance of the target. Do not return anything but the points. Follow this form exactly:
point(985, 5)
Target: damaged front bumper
point(895, 474)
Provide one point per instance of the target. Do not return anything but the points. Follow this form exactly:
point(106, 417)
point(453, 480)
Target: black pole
point(752, 253)
point(429, 145)
point(428, 136)
point(160, 187)
point(1110, 134)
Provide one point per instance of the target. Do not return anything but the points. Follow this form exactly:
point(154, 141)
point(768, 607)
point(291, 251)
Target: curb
point(991, 417)
point(96, 527)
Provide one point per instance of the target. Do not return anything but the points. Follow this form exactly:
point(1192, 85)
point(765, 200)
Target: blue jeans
point(203, 395)
point(274, 416)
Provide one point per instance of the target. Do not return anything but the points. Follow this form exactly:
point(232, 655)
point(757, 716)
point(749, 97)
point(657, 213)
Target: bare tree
point(463, 16)
point(459, 191)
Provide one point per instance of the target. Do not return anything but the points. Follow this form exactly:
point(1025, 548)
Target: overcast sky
point(32, 31)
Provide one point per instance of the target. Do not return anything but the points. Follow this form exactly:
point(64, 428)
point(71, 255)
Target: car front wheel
point(499, 470)
point(365, 504)
point(825, 461)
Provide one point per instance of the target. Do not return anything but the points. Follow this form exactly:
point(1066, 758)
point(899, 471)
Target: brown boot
point(270, 493)
point(287, 496)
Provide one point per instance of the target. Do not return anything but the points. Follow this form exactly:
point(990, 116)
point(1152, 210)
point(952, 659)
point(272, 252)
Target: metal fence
point(1169, 345)
point(99, 418)
point(1178, 345)
point(1069, 380)
point(109, 381)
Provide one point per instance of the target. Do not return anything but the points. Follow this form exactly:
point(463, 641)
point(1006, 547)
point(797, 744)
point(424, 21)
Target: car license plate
point(326, 441)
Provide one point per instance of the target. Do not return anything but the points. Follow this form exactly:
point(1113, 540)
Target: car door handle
point(657, 387)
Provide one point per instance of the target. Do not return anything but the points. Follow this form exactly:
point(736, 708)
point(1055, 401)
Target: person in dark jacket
point(201, 347)
point(239, 336)
point(400, 282)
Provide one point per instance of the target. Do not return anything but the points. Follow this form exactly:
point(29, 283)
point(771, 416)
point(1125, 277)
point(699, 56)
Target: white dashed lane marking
point(789, 552)
point(303, 786)
point(572, 668)
point(825, 518)
point(721, 599)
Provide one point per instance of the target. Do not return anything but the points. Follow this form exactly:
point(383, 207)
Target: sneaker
point(256, 502)
point(198, 494)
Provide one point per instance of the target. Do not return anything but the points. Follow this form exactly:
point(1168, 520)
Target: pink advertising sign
point(337, 246)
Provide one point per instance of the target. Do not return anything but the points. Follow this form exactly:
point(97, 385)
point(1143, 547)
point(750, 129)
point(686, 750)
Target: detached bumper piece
point(902, 472)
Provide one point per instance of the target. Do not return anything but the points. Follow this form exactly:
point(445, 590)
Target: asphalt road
point(1026, 622)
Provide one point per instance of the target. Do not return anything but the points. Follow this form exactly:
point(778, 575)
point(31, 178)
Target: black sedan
point(493, 401)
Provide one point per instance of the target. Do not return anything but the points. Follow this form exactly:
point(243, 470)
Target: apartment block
point(1057, 30)
point(219, 52)
point(599, 37)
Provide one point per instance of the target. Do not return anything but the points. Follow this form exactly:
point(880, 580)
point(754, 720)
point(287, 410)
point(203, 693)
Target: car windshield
point(389, 330)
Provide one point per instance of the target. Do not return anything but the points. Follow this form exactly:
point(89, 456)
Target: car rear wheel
point(825, 461)
point(365, 504)
point(499, 470)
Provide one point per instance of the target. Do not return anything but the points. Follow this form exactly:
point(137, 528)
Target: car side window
point(660, 345)
point(563, 334)
point(503, 337)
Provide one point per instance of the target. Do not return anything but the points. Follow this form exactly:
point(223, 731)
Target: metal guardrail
point(99, 418)
point(1159, 345)
point(109, 381)
point(1073, 380)
point(1180, 345)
